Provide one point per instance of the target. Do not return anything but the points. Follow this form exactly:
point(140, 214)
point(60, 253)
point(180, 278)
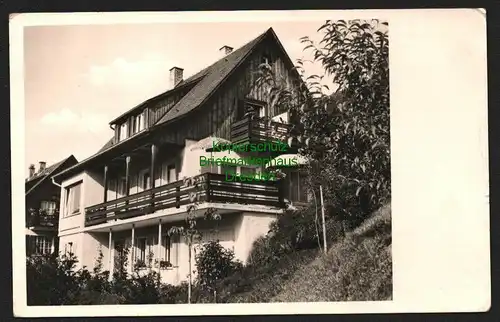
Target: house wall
point(251, 226)
point(72, 224)
point(235, 231)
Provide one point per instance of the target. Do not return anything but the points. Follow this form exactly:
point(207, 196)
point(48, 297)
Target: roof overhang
point(110, 153)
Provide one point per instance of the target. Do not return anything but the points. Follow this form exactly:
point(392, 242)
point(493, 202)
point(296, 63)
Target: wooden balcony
point(258, 130)
point(209, 187)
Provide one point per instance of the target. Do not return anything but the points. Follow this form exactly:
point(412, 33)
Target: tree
point(189, 230)
point(346, 135)
point(213, 263)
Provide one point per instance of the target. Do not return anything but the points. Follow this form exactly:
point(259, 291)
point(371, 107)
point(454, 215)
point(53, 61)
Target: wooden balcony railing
point(210, 187)
point(258, 130)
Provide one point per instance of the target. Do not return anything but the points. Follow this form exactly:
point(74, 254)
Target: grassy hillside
point(357, 268)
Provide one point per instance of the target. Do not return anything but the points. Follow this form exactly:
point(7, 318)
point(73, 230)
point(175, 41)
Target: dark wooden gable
point(228, 104)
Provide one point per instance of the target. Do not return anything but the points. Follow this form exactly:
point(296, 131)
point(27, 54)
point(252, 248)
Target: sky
point(78, 78)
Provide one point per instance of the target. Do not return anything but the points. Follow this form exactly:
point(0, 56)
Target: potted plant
point(140, 264)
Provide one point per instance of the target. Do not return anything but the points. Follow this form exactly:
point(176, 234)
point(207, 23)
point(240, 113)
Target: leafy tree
point(189, 229)
point(346, 135)
point(214, 263)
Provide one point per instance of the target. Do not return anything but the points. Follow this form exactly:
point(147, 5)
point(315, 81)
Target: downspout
point(55, 183)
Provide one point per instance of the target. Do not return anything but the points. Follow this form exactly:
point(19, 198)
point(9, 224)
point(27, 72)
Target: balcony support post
point(158, 256)
point(154, 151)
point(132, 250)
point(127, 177)
point(105, 183)
point(110, 253)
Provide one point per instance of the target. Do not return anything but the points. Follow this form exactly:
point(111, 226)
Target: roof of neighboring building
point(32, 182)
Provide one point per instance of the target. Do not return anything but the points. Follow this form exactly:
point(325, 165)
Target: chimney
point(175, 76)
point(225, 50)
point(32, 170)
point(42, 166)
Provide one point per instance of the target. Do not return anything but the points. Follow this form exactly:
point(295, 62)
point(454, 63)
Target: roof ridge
point(233, 60)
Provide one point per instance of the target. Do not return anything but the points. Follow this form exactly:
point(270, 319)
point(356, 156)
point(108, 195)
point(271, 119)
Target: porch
point(208, 187)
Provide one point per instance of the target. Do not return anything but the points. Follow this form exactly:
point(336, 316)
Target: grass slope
point(357, 268)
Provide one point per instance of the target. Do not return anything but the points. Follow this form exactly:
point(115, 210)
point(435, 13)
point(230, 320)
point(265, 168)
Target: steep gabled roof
point(39, 177)
point(205, 84)
point(211, 78)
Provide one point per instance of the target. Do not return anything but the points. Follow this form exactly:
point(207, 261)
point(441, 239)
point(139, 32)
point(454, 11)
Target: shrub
point(357, 268)
point(214, 263)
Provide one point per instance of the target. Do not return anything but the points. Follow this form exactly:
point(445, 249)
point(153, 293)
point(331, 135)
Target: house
point(42, 207)
point(133, 190)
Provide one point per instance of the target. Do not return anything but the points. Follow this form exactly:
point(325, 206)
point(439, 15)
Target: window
point(138, 123)
point(146, 181)
point(39, 245)
point(298, 187)
point(165, 243)
point(69, 248)
point(247, 171)
point(172, 173)
point(122, 187)
point(73, 196)
point(48, 207)
point(229, 169)
point(266, 60)
point(140, 254)
point(123, 131)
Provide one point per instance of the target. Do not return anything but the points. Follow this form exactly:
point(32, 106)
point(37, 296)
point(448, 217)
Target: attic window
point(123, 132)
point(266, 60)
point(138, 123)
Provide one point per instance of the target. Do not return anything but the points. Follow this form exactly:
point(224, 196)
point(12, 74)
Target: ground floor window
point(39, 245)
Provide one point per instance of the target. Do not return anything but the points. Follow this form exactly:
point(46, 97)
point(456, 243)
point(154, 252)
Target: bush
point(357, 268)
point(214, 263)
point(53, 280)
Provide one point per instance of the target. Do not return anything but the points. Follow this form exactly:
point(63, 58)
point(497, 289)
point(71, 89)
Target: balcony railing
point(209, 187)
point(258, 130)
point(42, 219)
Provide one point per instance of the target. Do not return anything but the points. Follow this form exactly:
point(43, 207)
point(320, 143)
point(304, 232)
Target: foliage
point(214, 263)
point(357, 268)
point(189, 230)
point(260, 283)
point(50, 280)
point(346, 135)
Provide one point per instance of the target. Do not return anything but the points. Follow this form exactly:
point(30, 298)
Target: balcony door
point(144, 182)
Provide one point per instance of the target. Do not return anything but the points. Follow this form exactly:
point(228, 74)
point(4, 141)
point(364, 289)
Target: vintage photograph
point(231, 162)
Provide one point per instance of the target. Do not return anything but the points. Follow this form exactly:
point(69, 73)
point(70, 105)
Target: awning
point(207, 143)
point(285, 161)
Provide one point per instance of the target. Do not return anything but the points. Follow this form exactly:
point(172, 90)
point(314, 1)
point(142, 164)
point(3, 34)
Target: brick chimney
point(42, 166)
point(175, 76)
point(32, 170)
point(225, 50)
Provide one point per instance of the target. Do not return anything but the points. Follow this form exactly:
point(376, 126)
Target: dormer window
point(138, 123)
point(123, 131)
